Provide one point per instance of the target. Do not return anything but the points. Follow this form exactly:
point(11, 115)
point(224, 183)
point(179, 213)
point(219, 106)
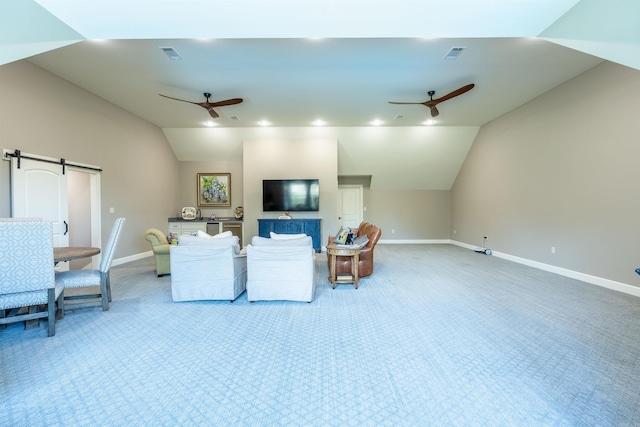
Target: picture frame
point(214, 190)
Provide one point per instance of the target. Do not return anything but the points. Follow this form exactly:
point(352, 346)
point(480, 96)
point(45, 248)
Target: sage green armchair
point(160, 247)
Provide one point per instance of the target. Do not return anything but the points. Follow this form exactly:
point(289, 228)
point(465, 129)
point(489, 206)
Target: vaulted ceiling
point(294, 62)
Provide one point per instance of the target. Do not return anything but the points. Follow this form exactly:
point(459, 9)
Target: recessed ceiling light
point(430, 122)
point(264, 123)
point(318, 122)
point(210, 123)
point(376, 122)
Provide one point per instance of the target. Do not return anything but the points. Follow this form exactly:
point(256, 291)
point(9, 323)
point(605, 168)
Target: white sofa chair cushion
point(207, 269)
point(280, 269)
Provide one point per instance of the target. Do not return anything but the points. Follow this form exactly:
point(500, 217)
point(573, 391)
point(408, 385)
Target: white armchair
point(207, 268)
point(26, 275)
point(280, 269)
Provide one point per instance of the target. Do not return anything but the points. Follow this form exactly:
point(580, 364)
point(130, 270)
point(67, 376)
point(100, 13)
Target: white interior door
point(350, 205)
point(39, 190)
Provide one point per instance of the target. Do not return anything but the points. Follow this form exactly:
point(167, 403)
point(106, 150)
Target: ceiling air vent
point(234, 118)
point(453, 53)
point(171, 53)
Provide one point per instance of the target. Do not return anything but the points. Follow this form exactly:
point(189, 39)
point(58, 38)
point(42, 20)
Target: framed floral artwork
point(214, 189)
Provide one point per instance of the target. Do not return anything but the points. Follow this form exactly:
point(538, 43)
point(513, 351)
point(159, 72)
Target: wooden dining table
point(73, 252)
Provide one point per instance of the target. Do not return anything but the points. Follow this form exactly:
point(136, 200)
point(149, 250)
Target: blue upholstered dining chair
point(92, 278)
point(26, 272)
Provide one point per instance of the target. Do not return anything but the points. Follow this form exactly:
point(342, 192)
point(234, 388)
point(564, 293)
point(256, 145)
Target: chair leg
point(104, 293)
point(51, 308)
point(109, 286)
point(60, 313)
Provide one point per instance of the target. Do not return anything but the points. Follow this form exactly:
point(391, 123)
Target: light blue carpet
point(438, 336)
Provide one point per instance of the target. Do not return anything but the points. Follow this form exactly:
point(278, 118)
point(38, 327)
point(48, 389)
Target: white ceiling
point(295, 61)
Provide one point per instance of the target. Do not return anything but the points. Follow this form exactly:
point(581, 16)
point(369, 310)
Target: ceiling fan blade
point(177, 99)
point(421, 103)
point(212, 112)
point(225, 102)
point(455, 93)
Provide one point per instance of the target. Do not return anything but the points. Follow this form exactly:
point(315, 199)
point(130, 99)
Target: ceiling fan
point(209, 106)
point(431, 103)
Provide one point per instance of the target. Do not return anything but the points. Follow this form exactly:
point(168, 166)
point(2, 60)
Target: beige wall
point(560, 171)
point(45, 115)
point(188, 173)
point(290, 159)
point(411, 215)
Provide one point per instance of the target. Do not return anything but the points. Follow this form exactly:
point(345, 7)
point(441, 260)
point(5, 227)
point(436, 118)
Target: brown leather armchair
point(365, 265)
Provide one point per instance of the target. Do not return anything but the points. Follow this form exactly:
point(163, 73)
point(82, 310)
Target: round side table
point(334, 250)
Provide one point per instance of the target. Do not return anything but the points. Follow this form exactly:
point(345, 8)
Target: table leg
point(354, 269)
point(332, 273)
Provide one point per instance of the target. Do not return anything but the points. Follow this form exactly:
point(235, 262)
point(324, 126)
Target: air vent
point(171, 53)
point(234, 118)
point(453, 53)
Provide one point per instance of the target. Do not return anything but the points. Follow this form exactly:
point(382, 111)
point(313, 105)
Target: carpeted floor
point(438, 336)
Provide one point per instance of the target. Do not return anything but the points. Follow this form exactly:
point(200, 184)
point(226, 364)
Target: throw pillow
point(222, 235)
point(201, 233)
point(285, 236)
point(344, 236)
point(361, 241)
point(265, 241)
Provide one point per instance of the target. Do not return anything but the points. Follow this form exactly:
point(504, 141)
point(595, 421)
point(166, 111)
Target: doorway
point(350, 205)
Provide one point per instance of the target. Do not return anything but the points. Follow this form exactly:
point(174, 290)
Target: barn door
point(39, 190)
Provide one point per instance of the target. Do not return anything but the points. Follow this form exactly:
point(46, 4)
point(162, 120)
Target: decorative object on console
point(188, 213)
point(285, 215)
point(365, 261)
point(239, 212)
point(214, 189)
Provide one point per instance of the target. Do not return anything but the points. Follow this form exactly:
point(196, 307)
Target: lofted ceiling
point(296, 61)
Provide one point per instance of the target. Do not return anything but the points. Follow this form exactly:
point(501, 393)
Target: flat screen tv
point(290, 195)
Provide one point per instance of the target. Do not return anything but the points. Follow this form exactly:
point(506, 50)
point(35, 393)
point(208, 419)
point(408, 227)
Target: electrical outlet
point(553, 249)
point(112, 210)
point(454, 231)
point(393, 230)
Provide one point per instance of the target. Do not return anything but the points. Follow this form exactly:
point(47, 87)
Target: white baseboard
point(413, 242)
point(132, 258)
point(594, 280)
